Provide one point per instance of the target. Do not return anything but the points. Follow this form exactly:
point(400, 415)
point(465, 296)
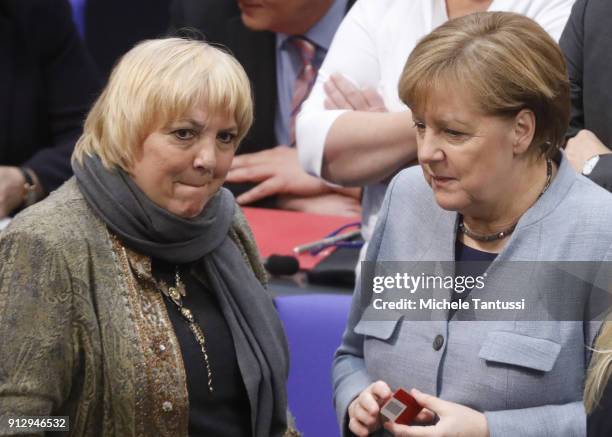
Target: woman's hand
point(364, 411)
point(455, 420)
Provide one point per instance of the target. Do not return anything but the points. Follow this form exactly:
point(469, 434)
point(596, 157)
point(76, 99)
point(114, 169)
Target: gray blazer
point(526, 376)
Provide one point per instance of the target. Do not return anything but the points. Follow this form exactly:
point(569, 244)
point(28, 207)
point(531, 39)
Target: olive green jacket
point(81, 333)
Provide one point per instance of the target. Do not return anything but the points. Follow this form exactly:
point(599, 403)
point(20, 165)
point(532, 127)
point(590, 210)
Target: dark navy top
point(226, 412)
point(469, 262)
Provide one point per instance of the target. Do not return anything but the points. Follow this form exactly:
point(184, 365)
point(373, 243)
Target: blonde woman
point(598, 390)
point(131, 299)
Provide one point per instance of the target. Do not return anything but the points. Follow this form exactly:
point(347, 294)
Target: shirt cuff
point(602, 172)
point(311, 133)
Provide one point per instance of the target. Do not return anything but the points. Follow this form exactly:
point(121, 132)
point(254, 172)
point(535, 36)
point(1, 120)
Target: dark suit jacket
point(587, 44)
point(47, 83)
point(219, 22)
point(115, 26)
point(599, 422)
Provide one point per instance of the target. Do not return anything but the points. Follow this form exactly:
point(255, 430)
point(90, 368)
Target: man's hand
point(342, 94)
point(455, 420)
point(582, 147)
point(12, 185)
point(277, 171)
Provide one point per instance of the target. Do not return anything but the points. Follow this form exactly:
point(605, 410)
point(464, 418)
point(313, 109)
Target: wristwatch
point(589, 165)
point(29, 195)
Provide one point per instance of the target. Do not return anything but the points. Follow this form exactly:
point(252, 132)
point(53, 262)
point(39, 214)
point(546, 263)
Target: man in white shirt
point(348, 135)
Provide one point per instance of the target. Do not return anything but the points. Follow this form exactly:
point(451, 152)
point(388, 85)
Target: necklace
point(176, 294)
point(504, 233)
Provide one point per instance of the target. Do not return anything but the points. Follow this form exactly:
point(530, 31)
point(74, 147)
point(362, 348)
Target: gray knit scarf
point(261, 347)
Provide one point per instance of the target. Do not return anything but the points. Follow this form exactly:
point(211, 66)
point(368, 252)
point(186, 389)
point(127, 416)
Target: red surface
point(278, 232)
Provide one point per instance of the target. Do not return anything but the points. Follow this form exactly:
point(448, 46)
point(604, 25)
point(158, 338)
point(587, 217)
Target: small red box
point(402, 408)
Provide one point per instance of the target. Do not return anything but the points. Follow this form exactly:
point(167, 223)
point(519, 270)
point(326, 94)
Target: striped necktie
point(304, 81)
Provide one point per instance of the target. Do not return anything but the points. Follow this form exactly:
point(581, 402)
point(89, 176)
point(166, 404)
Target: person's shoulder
point(411, 182)
point(63, 216)
point(410, 197)
point(596, 15)
point(382, 5)
point(375, 8)
point(374, 13)
point(581, 221)
point(586, 195)
point(532, 8)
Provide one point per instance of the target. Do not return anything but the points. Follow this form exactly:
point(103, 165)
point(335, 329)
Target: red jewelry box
point(402, 408)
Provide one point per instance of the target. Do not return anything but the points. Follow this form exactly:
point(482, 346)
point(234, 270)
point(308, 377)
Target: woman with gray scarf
point(132, 299)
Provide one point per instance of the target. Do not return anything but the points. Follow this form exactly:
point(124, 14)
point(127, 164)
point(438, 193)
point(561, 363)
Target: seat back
point(314, 324)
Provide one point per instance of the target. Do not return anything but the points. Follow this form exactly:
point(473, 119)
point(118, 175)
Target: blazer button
point(438, 342)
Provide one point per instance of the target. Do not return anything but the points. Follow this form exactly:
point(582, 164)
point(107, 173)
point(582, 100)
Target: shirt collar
point(323, 31)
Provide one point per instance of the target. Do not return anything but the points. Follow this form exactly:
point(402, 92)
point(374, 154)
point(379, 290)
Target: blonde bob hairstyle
point(600, 369)
point(155, 84)
point(505, 61)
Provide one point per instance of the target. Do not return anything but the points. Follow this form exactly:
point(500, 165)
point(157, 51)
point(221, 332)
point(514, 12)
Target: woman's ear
point(524, 130)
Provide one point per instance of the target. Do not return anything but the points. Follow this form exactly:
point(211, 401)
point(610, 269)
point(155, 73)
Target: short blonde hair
point(505, 60)
point(156, 83)
point(600, 368)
